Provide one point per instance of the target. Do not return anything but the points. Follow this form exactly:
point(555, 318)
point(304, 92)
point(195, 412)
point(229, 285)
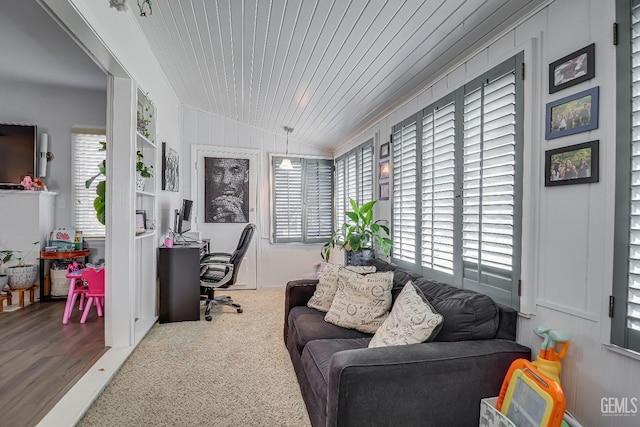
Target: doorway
point(225, 188)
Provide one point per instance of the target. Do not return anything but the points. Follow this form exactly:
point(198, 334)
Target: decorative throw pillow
point(362, 302)
point(412, 320)
point(328, 283)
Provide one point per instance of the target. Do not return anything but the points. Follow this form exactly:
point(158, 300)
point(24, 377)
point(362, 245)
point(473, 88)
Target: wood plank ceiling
point(327, 68)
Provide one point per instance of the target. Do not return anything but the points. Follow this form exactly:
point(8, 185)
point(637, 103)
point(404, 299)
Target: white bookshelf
point(145, 307)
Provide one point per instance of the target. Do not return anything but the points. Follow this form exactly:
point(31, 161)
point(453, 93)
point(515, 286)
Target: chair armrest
point(216, 257)
point(220, 283)
point(434, 384)
point(297, 292)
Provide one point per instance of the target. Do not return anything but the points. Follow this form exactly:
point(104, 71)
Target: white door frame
point(195, 151)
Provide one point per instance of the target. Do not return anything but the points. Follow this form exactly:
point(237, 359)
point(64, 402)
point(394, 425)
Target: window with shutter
point(404, 209)
point(457, 186)
point(438, 179)
point(625, 322)
point(302, 201)
point(354, 179)
point(488, 184)
point(87, 158)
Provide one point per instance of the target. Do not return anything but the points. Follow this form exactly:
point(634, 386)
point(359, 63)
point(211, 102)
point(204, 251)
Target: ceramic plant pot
point(359, 257)
point(4, 279)
point(22, 277)
point(139, 182)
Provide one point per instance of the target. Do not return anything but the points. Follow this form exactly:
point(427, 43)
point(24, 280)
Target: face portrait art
point(226, 190)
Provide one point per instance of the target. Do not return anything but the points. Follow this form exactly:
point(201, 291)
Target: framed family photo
point(572, 114)
point(575, 164)
point(384, 169)
point(572, 69)
point(384, 150)
point(384, 191)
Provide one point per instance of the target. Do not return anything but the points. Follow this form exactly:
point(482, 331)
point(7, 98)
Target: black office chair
point(220, 270)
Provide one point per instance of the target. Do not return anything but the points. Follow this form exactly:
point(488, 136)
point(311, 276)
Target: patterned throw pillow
point(362, 302)
point(412, 320)
point(328, 283)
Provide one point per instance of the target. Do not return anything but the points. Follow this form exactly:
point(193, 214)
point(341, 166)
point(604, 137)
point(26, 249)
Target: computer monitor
point(182, 222)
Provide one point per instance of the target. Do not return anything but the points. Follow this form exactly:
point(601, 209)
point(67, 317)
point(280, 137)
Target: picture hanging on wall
point(384, 191)
point(384, 169)
point(572, 114)
point(575, 164)
point(384, 150)
point(572, 69)
point(226, 190)
point(170, 171)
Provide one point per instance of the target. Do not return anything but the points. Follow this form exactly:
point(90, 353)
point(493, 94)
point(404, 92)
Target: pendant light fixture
point(286, 162)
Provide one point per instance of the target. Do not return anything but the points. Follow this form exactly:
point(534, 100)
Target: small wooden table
point(45, 294)
point(20, 293)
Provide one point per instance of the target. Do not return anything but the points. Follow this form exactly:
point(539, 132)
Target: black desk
point(179, 271)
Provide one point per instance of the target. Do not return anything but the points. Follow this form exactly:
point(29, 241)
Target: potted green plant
point(142, 171)
point(359, 235)
point(100, 201)
point(21, 275)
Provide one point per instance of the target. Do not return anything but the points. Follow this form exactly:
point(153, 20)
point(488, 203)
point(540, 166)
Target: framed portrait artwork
point(575, 164)
point(384, 191)
point(141, 221)
point(384, 150)
point(572, 114)
point(384, 169)
point(572, 69)
point(170, 170)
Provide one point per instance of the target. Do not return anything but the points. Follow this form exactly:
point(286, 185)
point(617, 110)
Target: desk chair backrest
point(243, 244)
point(95, 280)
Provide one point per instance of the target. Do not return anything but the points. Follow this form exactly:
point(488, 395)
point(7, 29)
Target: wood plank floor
point(42, 359)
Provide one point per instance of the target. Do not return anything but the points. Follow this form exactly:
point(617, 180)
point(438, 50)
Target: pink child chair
point(75, 274)
point(95, 293)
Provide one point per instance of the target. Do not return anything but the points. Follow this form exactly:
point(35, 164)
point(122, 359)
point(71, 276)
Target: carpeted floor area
point(232, 371)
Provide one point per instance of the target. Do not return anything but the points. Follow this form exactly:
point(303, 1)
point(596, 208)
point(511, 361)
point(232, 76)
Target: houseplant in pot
point(359, 235)
point(22, 275)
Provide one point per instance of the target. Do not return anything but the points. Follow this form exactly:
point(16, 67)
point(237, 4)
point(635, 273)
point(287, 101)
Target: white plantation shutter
point(340, 193)
point(354, 180)
point(633, 295)
point(365, 166)
point(318, 178)
point(438, 186)
point(86, 160)
point(302, 201)
point(287, 203)
point(404, 191)
point(489, 160)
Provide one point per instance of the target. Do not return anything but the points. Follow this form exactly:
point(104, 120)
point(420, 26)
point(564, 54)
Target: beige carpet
point(232, 371)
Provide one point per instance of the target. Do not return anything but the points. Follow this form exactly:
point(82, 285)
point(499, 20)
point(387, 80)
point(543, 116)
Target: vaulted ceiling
point(327, 68)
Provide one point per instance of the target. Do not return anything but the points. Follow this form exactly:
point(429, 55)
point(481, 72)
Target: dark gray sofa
point(439, 383)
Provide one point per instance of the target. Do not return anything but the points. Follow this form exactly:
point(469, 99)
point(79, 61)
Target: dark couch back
point(468, 315)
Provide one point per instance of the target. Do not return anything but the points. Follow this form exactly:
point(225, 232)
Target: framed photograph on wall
point(384, 150)
point(572, 114)
point(170, 169)
point(572, 69)
point(384, 191)
point(384, 169)
point(575, 164)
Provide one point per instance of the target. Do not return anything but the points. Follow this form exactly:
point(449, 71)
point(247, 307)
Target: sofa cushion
point(362, 302)
point(412, 320)
point(400, 276)
point(468, 315)
point(307, 324)
point(328, 284)
point(316, 358)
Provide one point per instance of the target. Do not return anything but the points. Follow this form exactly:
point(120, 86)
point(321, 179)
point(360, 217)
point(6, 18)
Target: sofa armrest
point(297, 292)
point(429, 384)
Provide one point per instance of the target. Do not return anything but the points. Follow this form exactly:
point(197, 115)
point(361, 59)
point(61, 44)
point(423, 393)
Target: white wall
point(55, 110)
point(567, 231)
point(279, 263)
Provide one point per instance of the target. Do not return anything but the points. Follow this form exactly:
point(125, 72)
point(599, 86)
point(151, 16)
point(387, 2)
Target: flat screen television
point(18, 152)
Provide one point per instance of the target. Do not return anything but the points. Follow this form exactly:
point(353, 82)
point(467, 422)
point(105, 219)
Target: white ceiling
point(327, 68)
point(35, 49)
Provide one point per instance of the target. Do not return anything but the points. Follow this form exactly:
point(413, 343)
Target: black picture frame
point(170, 169)
point(566, 116)
point(384, 150)
point(572, 69)
point(141, 221)
point(384, 191)
point(556, 159)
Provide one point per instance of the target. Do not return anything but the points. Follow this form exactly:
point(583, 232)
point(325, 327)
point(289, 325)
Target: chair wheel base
point(239, 310)
point(208, 318)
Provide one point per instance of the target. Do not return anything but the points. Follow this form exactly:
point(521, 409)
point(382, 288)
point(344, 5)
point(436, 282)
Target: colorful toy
point(548, 361)
point(529, 398)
